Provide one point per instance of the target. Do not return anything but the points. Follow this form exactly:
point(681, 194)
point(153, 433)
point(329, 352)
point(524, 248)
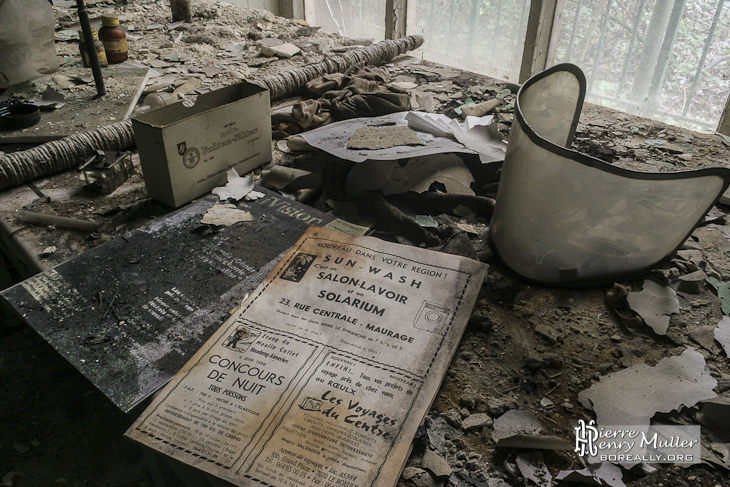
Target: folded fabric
point(359, 92)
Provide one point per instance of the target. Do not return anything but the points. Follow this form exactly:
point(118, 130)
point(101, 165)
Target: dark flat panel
point(129, 314)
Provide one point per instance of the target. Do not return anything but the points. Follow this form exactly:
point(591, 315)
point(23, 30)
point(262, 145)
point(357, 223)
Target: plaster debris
point(705, 336)
point(285, 50)
point(425, 101)
point(635, 395)
point(436, 464)
point(50, 98)
point(476, 421)
point(722, 334)
point(604, 474)
point(48, 251)
point(533, 467)
point(226, 215)
point(438, 430)
point(692, 283)
point(515, 422)
point(655, 303)
point(410, 472)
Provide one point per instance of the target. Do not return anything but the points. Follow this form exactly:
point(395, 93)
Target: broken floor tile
point(211, 71)
point(634, 395)
point(64, 82)
point(410, 472)
point(270, 47)
point(438, 431)
point(716, 418)
point(426, 101)
point(533, 467)
point(436, 464)
point(691, 283)
point(723, 292)
point(406, 85)
point(655, 303)
point(50, 98)
point(515, 422)
point(604, 474)
point(187, 87)
point(722, 334)
point(705, 336)
point(476, 421)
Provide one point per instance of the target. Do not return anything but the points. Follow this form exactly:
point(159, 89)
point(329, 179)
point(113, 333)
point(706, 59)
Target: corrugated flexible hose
point(59, 155)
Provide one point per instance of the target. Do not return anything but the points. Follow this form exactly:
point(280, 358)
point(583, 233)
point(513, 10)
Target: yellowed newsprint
point(324, 374)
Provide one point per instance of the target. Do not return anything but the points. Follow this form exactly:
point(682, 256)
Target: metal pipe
point(90, 49)
point(58, 221)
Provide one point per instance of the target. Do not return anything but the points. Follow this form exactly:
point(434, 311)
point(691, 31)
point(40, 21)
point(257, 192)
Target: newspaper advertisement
point(323, 375)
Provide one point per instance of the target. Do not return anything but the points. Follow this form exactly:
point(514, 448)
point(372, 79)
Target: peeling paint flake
point(634, 395)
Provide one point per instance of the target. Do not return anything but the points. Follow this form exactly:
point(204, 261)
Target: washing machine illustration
point(431, 317)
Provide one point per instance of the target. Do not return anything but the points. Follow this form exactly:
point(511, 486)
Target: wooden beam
point(541, 38)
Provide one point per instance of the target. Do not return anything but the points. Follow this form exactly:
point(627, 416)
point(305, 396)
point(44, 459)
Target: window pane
point(350, 18)
point(662, 59)
point(483, 36)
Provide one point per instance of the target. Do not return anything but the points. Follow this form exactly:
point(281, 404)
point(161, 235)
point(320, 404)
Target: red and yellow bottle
point(114, 39)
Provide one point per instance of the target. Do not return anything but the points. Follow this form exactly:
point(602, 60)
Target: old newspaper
point(323, 376)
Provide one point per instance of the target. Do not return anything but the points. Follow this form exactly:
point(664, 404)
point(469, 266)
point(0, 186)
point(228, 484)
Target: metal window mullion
point(634, 33)
point(701, 65)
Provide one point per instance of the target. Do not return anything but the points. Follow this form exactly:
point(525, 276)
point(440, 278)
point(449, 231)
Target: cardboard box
point(186, 151)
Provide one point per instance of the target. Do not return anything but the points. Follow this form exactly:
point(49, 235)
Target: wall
point(270, 5)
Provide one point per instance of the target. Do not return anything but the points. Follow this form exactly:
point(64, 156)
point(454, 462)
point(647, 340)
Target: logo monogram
point(585, 436)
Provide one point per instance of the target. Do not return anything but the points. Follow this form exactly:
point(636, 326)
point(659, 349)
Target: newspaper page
point(323, 376)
